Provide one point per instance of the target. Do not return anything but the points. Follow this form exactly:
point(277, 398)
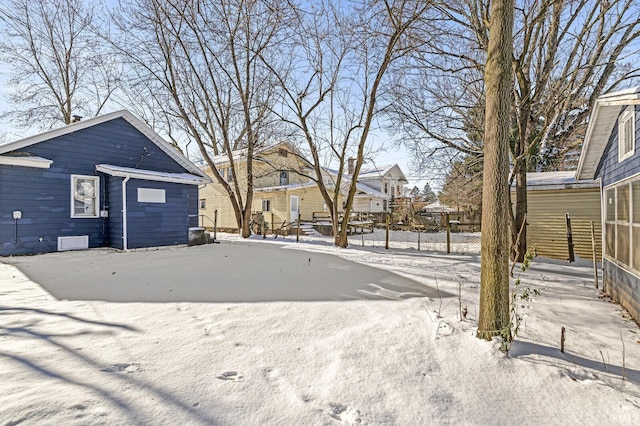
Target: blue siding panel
point(44, 195)
point(610, 169)
point(157, 224)
point(623, 287)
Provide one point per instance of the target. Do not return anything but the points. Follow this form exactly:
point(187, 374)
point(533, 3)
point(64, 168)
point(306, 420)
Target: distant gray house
point(108, 181)
point(611, 154)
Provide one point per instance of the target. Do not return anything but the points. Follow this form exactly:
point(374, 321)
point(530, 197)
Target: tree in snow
point(566, 53)
point(428, 196)
point(199, 67)
point(341, 52)
point(493, 316)
point(57, 65)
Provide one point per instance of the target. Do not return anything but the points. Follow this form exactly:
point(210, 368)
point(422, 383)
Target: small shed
point(610, 154)
point(550, 197)
point(109, 181)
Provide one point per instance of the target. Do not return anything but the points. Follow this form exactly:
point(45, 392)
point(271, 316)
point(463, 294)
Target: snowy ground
point(404, 361)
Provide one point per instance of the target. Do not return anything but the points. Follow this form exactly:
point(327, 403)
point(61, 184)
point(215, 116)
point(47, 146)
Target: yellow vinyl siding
point(547, 230)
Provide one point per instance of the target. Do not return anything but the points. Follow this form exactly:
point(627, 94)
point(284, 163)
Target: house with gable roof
point(108, 181)
point(377, 187)
point(283, 188)
point(611, 154)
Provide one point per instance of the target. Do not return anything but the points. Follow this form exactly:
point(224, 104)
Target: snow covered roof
point(286, 187)
point(437, 206)
point(605, 113)
point(557, 180)
point(241, 154)
point(185, 178)
point(380, 171)
point(366, 191)
point(90, 122)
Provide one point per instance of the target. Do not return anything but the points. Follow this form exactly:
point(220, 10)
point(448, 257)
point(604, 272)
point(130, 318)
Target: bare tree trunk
point(520, 213)
point(494, 272)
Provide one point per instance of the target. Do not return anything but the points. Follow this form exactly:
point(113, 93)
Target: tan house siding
point(547, 231)
point(216, 200)
point(267, 167)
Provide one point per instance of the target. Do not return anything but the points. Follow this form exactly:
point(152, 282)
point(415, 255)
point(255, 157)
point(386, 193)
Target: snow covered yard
point(374, 349)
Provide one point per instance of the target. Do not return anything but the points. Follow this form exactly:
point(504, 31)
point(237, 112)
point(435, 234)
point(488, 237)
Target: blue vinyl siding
point(44, 195)
point(610, 169)
point(157, 224)
point(623, 287)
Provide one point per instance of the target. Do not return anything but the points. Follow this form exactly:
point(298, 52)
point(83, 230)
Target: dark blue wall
point(623, 287)
point(609, 169)
point(44, 195)
point(157, 224)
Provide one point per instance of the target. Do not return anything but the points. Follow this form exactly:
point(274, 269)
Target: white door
point(294, 208)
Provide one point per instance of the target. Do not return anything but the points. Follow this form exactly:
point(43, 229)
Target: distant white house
point(376, 187)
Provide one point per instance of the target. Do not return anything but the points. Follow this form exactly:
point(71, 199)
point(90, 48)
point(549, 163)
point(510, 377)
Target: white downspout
point(124, 212)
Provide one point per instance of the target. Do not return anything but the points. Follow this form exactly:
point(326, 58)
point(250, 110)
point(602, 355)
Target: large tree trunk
point(494, 273)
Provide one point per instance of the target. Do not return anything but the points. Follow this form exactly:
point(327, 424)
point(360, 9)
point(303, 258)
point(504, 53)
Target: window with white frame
point(284, 177)
point(203, 203)
point(85, 196)
point(266, 205)
point(622, 223)
point(626, 134)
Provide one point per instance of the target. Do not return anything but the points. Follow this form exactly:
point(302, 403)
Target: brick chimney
point(351, 165)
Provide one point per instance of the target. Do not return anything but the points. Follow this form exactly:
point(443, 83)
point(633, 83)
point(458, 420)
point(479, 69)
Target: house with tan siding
point(283, 189)
point(550, 197)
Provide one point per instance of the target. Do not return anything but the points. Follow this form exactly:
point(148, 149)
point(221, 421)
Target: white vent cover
point(79, 242)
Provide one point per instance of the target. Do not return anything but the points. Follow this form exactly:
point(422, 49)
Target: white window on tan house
point(203, 203)
point(626, 134)
point(266, 205)
point(85, 199)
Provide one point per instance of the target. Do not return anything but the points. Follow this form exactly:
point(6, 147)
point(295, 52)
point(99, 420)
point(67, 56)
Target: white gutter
point(152, 176)
point(124, 212)
point(36, 162)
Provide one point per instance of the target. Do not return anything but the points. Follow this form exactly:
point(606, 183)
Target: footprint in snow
point(231, 375)
point(345, 414)
point(118, 368)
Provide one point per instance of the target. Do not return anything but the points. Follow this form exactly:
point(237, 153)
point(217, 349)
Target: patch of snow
point(399, 359)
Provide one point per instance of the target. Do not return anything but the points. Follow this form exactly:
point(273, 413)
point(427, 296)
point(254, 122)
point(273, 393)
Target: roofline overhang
point(34, 162)
point(615, 100)
point(150, 175)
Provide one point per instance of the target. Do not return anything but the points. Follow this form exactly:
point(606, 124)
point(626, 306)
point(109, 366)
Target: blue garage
point(109, 181)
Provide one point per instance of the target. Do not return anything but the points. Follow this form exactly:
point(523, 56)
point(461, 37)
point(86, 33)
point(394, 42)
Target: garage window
point(85, 192)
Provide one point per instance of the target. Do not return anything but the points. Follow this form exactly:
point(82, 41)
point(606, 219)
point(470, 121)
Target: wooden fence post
point(595, 256)
point(215, 224)
point(386, 239)
point(448, 225)
point(298, 229)
point(572, 256)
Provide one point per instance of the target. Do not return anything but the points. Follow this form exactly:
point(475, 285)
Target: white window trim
point(614, 259)
point(626, 116)
point(268, 205)
point(96, 201)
